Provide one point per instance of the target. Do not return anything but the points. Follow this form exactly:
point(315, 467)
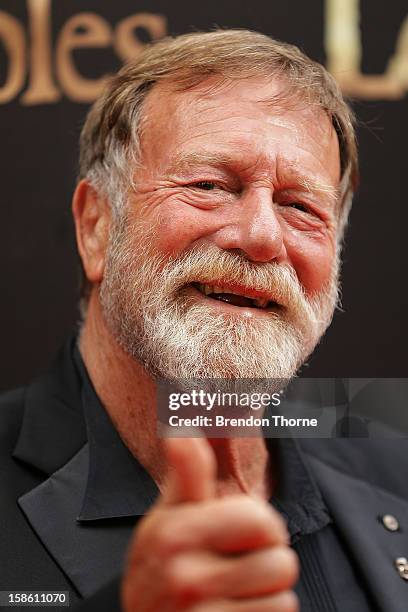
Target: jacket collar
point(53, 427)
point(90, 555)
point(118, 485)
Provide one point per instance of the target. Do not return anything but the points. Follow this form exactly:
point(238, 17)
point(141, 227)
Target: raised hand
point(200, 553)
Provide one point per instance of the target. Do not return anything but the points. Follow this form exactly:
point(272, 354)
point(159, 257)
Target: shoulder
point(11, 416)
point(380, 462)
point(15, 476)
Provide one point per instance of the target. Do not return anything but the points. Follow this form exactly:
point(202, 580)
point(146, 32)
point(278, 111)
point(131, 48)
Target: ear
point(92, 217)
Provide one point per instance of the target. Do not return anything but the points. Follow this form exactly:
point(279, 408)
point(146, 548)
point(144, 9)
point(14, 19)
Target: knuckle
point(287, 561)
point(259, 511)
point(181, 584)
point(280, 526)
point(158, 533)
point(289, 602)
point(165, 541)
point(174, 581)
point(281, 567)
point(268, 520)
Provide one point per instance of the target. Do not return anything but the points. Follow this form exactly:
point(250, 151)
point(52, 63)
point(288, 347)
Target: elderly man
point(216, 178)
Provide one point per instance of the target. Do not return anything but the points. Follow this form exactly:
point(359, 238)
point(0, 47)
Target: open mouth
point(236, 297)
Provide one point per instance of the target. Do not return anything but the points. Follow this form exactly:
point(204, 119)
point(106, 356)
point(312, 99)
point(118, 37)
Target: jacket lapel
point(53, 439)
point(90, 555)
point(53, 427)
point(356, 507)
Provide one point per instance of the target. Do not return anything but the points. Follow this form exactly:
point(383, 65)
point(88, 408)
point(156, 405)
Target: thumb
point(192, 470)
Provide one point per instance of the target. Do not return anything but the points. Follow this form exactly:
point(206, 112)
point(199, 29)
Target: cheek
point(175, 233)
point(313, 261)
point(177, 227)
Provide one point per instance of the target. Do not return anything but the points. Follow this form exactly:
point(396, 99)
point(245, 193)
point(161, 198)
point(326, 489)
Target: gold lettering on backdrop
point(126, 44)
point(12, 36)
point(41, 87)
point(398, 64)
point(342, 43)
point(344, 55)
point(80, 31)
point(342, 37)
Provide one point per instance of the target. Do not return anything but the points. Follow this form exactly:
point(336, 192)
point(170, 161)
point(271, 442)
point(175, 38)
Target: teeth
point(208, 289)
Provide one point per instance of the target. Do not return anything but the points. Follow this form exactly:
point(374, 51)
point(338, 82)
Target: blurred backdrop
point(54, 56)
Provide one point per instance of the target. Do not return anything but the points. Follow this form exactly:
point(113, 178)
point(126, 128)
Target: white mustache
point(206, 264)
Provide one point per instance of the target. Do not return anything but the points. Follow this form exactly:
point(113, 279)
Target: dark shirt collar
point(119, 486)
point(297, 496)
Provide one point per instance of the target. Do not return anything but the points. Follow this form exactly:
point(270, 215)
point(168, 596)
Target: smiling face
point(226, 262)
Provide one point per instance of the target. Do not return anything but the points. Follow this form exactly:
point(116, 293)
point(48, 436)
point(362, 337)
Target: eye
point(298, 206)
point(204, 185)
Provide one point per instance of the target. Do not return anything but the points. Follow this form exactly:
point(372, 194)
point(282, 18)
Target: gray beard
point(157, 323)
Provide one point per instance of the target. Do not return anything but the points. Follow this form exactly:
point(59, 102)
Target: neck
point(128, 393)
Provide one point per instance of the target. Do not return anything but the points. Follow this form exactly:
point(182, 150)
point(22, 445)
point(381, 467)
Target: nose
point(255, 229)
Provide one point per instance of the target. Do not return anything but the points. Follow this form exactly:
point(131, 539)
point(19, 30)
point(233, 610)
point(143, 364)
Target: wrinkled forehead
point(264, 95)
point(225, 109)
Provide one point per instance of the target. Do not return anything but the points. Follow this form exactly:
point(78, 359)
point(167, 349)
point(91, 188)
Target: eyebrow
point(218, 159)
point(333, 194)
point(184, 161)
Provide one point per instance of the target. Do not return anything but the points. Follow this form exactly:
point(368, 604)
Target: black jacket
point(42, 431)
